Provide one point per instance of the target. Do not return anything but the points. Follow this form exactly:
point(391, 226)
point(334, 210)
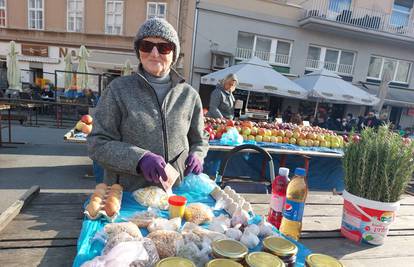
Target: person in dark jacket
point(146, 120)
point(371, 120)
point(222, 99)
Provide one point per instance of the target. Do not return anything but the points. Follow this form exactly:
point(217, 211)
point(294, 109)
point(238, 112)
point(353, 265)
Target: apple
point(356, 138)
point(286, 139)
point(254, 131)
point(261, 131)
point(279, 139)
point(212, 136)
point(87, 119)
point(288, 133)
point(296, 134)
point(79, 125)
point(275, 132)
point(309, 142)
point(266, 138)
point(246, 131)
point(259, 138)
point(292, 141)
point(273, 139)
point(86, 128)
point(251, 137)
point(323, 143)
point(302, 142)
point(315, 142)
point(230, 123)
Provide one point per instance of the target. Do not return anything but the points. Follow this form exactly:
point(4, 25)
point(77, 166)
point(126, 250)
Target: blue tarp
point(324, 173)
point(86, 250)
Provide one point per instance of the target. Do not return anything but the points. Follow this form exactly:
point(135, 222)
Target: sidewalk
point(44, 160)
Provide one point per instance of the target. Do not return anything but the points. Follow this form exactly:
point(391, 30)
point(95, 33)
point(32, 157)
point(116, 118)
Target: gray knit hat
point(158, 28)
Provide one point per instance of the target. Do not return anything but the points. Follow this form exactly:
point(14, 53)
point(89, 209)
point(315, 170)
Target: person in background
point(371, 120)
point(222, 99)
point(150, 118)
point(297, 119)
point(350, 123)
point(287, 114)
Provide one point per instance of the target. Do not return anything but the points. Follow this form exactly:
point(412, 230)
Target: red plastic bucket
point(366, 220)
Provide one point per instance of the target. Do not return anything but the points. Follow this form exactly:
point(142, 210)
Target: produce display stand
point(45, 233)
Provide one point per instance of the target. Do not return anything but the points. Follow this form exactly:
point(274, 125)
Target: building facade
point(46, 30)
point(358, 39)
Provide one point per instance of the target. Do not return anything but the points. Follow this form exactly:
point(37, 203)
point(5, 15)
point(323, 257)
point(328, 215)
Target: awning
point(395, 97)
point(258, 76)
point(111, 60)
point(324, 85)
point(39, 59)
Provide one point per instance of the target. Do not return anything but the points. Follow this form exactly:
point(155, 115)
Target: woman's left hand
point(193, 165)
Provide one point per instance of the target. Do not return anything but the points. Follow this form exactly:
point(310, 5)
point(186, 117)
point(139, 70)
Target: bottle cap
point(284, 172)
point(300, 172)
point(177, 200)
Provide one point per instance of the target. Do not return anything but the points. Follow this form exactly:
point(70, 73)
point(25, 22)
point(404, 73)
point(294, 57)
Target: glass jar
point(263, 259)
point(177, 206)
point(314, 260)
point(174, 262)
point(223, 262)
point(282, 248)
point(229, 249)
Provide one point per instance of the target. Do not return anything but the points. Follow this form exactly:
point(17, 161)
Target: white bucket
point(366, 220)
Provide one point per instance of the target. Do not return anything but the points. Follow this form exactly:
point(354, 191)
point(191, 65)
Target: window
point(75, 15)
point(339, 5)
point(156, 10)
point(401, 12)
point(35, 15)
point(3, 9)
point(114, 17)
point(272, 50)
point(331, 59)
point(399, 69)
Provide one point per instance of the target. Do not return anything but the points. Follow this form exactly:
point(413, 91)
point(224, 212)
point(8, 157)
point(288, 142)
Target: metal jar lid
point(174, 262)
point(223, 262)
point(263, 259)
point(319, 260)
point(231, 249)
point(279, 246)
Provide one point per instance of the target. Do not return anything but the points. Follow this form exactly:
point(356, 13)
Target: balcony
point(271, 58)
point(330, 16)
point(342, 69)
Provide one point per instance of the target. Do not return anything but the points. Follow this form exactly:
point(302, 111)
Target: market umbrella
point(257, 75)
point(127, 69)
point(68, 71)
point(83, 79)
point(13, 70)
point(383, 90)
point(325, 86)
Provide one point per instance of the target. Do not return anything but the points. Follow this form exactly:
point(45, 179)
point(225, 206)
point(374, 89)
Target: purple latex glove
point(152, 167)
point(193, 165)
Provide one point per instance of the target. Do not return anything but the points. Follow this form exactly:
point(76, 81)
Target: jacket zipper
point(164, 126)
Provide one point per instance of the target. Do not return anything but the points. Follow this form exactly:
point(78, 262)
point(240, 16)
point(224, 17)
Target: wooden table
point(46, 231)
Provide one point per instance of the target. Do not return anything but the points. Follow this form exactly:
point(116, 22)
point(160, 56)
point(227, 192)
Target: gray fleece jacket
point(221, 104)
point(129, 121)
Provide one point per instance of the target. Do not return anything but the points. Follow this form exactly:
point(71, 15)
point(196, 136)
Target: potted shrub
point(378, 166)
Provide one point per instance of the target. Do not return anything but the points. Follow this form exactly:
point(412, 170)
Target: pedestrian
point(287, 114)
point(222, 99)
point(145, 120)
point(371, 120)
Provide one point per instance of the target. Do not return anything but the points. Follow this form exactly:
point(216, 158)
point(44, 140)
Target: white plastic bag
point(249, 239)
point(164, 224)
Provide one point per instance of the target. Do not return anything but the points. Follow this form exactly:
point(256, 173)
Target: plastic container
point(222, 263)
point(282, 248)
point(366, 220)
point(229, 249)
point(263, 259)
point(177, 206)
point(316, 260)
point(278, 198)
point(296, 193)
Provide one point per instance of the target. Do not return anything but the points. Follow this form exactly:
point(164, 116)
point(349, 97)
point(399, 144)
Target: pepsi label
point(293, 210)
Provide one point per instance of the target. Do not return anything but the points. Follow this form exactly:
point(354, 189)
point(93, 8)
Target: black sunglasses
point(163, 48)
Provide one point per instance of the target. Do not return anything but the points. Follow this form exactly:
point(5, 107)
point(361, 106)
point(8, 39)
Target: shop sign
point(35, 50)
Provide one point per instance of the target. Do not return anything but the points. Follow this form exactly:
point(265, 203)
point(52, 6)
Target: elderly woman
point(222, 99)
point(146, 120)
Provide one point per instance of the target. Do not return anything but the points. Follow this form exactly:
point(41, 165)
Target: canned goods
point(282, 248)
point(315, 260)
point(229, 249)
point(263, 259)
point(175, 262)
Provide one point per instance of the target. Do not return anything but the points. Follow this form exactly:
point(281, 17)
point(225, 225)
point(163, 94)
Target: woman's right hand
point(152, 167)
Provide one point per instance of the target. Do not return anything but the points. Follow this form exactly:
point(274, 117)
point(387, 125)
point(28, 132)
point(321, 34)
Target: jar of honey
point(229, 249)
point(282, 248)
point(263, 259)
point(177, 206)
point(315, 260)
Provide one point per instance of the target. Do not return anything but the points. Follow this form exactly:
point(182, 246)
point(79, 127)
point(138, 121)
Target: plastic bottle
point(295, 203)
point(278, 198)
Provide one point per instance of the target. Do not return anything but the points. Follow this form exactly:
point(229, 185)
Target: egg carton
point(232, 200)
point(102, 213)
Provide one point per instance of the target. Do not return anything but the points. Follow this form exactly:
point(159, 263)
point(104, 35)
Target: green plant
point(379, 165)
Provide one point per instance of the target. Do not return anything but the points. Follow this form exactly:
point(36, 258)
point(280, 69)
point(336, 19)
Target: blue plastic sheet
point(324, 173)
point(87, 250)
